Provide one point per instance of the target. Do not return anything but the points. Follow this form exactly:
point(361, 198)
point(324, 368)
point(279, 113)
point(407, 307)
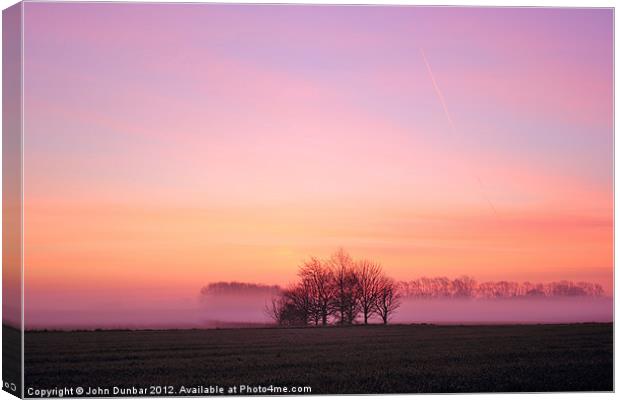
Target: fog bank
point(518, 310)
point(247, 310)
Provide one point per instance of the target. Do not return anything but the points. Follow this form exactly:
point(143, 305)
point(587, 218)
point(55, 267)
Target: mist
point(498, 311)
point(234, 304)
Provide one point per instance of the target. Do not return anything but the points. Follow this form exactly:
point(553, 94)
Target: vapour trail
point(437, 90)
point(485, 196)
point(449, 118)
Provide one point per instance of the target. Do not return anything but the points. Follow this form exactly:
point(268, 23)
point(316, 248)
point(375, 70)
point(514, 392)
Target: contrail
point(445, 109)
point(485, 196)
point(437, 90)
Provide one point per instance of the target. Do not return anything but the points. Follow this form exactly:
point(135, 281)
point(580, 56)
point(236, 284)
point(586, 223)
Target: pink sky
point(171, 145)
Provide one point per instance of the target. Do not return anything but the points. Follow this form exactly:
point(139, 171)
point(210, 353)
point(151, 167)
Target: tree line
point(467, 287)
point(336, 290)
point(341, 290)
point(238, 288)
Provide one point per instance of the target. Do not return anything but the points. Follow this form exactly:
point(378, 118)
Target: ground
point(357, 359)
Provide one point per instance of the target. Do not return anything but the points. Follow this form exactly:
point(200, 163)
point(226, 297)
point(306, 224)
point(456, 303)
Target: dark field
point(373, 359)
point(11, 360)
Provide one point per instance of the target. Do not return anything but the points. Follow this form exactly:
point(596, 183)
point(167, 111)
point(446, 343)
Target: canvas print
point(235, 199)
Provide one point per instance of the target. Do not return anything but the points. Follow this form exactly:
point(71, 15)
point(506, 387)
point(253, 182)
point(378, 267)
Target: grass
point(358, 359)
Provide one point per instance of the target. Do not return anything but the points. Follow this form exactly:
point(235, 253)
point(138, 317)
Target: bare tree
point(368, 284)
point(318, 280)
point(463, 287)
point(346, 302)
point(295, 306)
point(388, 299)
point(274, 308)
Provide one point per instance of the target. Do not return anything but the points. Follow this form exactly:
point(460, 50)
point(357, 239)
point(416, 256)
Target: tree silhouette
point(346, 301)
point(337, 290)
point(368, 284)
point(388, 299)
point(317, 279)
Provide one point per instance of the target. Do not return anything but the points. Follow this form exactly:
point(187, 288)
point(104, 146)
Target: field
point(11, 359)
point(358, 359)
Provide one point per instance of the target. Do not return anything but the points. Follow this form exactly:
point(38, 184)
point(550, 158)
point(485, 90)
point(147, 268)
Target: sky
point(167, 146)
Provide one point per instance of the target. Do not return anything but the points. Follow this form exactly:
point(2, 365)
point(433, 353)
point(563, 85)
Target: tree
point(293, 307)
point(388, 299)
point(273, 309)
point(463, 287)
point(336, 290)
point(346, 302)
point(368, 284)
point(318, 280)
